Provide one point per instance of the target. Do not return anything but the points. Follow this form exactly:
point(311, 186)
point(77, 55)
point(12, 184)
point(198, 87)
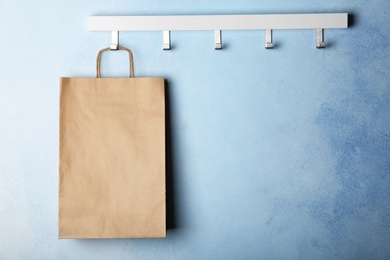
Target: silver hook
point(268, 39)
point(320, 38)
point(114, 40)
point(166, 40)
point(217, 40)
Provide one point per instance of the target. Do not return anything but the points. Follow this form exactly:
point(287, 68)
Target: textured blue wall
point(275, 154)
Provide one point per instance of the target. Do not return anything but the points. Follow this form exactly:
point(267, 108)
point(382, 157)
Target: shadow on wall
point(351, 20)
point(170, 171)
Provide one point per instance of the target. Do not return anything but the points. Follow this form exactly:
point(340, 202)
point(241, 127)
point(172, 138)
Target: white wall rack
point(217, 23)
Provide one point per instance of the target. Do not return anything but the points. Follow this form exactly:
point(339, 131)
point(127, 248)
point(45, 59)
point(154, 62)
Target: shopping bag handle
point(99, 56)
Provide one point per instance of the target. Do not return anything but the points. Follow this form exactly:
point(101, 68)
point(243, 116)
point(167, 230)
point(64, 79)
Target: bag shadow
point(171, 217)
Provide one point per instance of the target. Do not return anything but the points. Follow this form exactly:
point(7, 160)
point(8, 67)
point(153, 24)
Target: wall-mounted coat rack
point(217, 23)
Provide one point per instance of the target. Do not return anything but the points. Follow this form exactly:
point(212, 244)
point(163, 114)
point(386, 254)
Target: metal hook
point(217, 40)
point(320, 38)
point(268, 39)
point(114, 41)
point(166, 40)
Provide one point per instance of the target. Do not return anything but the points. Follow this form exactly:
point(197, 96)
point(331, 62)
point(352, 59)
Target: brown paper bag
point(112, 157)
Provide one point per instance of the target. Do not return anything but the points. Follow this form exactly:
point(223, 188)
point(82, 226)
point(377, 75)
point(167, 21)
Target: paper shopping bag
point(112, 157)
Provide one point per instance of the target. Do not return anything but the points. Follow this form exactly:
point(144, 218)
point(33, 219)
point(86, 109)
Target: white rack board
point(218, 22)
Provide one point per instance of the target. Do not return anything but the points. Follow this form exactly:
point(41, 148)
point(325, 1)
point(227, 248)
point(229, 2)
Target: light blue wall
point(276, 154)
